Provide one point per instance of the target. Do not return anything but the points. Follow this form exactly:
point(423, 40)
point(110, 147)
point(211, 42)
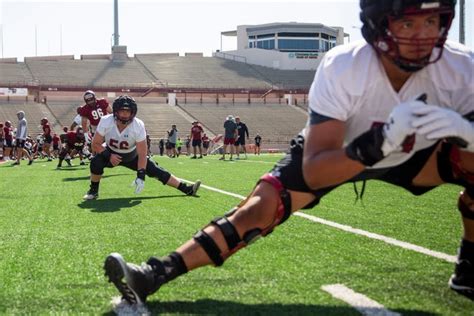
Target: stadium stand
point(14, 74)
point(89, 73)
point(33, 111)
point(276, 123)
point(207, 89)
point(195, 71)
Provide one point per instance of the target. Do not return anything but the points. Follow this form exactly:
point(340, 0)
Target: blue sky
point(67, 27)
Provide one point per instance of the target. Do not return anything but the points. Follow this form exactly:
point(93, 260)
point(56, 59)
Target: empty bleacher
point(33, 112)
point(89, 73)
point(203, 72)
point(13, 73)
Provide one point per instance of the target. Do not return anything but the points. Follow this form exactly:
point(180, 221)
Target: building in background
point(285, 46)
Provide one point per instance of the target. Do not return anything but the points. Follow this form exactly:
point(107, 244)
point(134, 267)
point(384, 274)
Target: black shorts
point(289, 171)
point(197, 143)
point(55, 146)
point(240, 141)
point(48, 139)
point(8, 143)
point(20, 143)
point(130, 161)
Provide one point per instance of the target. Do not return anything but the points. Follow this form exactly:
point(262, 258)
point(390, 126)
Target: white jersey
point(78, 120)
point(22, 130)
point(121, 142)
point(351, 86)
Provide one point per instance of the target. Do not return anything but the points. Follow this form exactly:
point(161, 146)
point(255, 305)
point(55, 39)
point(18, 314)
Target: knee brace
point(228, 230)
point(450, 166)
point(451, 171)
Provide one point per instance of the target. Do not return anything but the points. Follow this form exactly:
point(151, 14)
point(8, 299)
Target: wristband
point(141, 174)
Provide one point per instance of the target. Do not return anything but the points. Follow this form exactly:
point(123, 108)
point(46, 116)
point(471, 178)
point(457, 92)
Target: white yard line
point(360, 302)
point(388, 240)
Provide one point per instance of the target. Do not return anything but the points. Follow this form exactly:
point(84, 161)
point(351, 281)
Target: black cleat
point(194, 188)
point(462, 281)
point(30, 162)
point(134, 282)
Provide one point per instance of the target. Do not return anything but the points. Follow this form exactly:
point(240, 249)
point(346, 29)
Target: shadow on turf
point(215, 307)
point(88, 176)
point(116, 204)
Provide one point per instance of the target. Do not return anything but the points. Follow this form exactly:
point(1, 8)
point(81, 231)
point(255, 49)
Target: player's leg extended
point(462, 280)
point(451, 165)
point(155, 171)
point(268, 206)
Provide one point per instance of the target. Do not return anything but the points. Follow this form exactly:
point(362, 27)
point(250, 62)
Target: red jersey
point(94, 113)
point(75, 140)
point(196, 132)
point(7, 133)
point(46, 130)
point(55, 140)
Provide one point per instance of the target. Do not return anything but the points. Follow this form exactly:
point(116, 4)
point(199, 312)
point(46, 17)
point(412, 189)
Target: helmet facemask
point(378, 34)
point(124, 103)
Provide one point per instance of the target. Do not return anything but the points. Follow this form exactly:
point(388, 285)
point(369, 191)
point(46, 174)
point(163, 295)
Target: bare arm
point(97, 142)
point(324, 159)
point(142, 157)
point(84, 124)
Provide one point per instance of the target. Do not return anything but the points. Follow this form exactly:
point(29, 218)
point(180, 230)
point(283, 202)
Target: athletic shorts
point(289, 170)
point(8, 143)
point(197, 142)
point(240, 141)
point(20, 143)
point(229, 141)
point(48, 139)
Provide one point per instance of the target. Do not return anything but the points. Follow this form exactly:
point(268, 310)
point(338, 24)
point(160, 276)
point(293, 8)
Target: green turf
point(53, 244)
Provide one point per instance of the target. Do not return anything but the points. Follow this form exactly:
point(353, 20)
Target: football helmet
point(376, 14)
point(44, 121)
point(20, 115)
point(124, 102)
point(89, 97)
point(8, 124)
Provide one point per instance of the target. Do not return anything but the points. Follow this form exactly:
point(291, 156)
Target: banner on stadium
point(14, 91)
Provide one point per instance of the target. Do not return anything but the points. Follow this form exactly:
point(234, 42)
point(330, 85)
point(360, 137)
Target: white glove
point(435, 122)
point(399, 126)
point(139, 184)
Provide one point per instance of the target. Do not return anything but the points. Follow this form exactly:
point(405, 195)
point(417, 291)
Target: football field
point(391, 254)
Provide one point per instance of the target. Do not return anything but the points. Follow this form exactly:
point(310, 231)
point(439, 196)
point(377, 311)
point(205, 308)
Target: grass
point(53, 244)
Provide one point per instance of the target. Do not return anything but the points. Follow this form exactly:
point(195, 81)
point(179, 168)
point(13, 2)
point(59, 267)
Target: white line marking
point(388, 240)
point(385, 239)
point(362, 303)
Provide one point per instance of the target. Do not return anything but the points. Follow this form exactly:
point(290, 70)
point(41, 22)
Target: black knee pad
point(155, 171)
point(98, 164)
